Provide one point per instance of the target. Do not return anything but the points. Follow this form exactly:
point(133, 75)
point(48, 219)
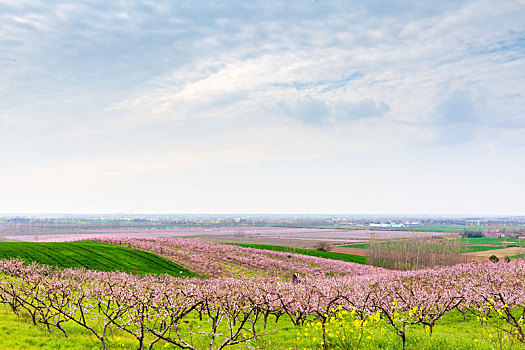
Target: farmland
point(91, 255)
point(469, 247)
point(262, 175)
point(66, 232)
point(213, 259)
point(322, 254)
point(497, 241)
point(127, 291)
point(463, 248)
point(267, 235)
point(362, 307)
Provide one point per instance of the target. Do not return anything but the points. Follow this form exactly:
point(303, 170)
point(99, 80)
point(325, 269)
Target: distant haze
point(262, 107)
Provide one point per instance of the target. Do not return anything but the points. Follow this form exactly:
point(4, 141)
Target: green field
point(477, 248)
point(92, 255)
point(359, 246)
point(484, 240)
point(327, 255)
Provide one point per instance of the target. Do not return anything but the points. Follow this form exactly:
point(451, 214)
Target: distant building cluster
point(494, 234)
point(394, 224)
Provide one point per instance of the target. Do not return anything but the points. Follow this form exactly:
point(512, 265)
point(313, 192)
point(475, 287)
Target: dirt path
point(354, 251)
point(500, 253)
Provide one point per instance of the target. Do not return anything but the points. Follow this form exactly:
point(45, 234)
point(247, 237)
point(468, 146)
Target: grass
point(92, 255)
point(485, 240)
point(327, 255)
point(477, 248)
point(359, 246)
point(450, 333)
point(17, 333)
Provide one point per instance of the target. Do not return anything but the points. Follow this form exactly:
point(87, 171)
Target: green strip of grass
point(327, 255)
point(93, 256)
point(484, 240)
point(479, 248)
point(359, 246)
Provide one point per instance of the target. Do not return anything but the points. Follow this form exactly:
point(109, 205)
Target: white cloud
point(108, 88)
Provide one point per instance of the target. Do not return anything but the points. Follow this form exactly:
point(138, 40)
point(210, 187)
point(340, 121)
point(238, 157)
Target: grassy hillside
point(327, 255)
point(92, 255)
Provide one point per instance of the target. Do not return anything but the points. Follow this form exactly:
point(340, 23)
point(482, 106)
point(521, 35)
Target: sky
point(305, 106)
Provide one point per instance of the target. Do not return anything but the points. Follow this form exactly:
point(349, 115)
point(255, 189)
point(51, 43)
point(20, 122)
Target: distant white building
point(414, 223)
point(398, 225)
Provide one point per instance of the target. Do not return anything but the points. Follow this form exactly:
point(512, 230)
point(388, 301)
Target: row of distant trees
point(416, 252)
point(513, 232)
point(472, 234)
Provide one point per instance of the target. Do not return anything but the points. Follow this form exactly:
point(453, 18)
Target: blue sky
point(262, 107)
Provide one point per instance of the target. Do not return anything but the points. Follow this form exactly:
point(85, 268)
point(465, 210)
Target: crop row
point(235, 310)
point(213, 259)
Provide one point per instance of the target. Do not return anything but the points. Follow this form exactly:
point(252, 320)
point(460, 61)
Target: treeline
point(472, 234)
point(417, 252)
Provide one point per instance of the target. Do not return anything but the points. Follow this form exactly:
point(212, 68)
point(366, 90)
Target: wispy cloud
point(168, 85)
